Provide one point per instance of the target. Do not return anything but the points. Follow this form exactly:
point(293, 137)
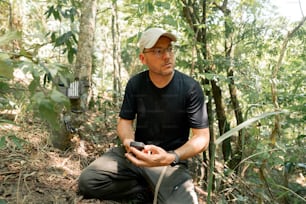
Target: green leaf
point(17, 141)
point(33, 85)
point(38, 97)
point(8, 37)
point(53, 37)
point(2, 142)
point(49, 11)
point(58, 97)
point(3, 201)
point(71, 53)
point(245, 124)
point(150, 7)
point(6, 68)
point(165, 5)
point(4, 87)
point(132, 39)
point(170, 20)
point(48, 112)
point(63, 79)
point(6, 121)
point(4, 56)
point(63, 38)
point(72, 12)
point(56, 15)
point(53, 70)
point(209, 76)
point(74, 38)
point(300, 137)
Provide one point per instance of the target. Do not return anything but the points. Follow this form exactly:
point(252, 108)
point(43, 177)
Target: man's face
point(160, 59)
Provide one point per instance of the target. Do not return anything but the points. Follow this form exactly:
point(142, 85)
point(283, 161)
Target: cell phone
point(138, 145)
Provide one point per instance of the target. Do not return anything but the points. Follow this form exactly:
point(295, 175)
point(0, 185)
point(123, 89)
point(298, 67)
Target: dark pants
point(113, 177)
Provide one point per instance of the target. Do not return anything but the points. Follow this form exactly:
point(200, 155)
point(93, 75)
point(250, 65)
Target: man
point(166, 104)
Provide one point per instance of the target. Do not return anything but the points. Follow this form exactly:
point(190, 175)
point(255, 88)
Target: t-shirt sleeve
point(196, 108)
point(128, 108)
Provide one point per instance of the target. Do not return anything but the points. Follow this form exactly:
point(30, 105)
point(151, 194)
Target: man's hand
point(126, 144)
point(150, 156)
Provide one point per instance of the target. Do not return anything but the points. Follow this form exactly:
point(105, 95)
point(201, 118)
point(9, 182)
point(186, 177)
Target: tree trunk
point(83, 66)
point(222, 120)
point(228, 50)
point(237, 156)
point(15, 23)
point(116, 54)
point(209, 161)
point(189, 12)
point(83, 78)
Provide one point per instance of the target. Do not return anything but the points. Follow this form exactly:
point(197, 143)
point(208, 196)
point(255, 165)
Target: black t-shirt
point(164, 115)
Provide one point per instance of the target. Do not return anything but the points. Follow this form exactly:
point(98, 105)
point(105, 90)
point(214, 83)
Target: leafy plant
point(68, 39)
point(50, 106)
point(4, 140)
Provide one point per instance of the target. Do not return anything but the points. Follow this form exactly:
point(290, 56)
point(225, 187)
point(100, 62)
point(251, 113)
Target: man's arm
point(156, 156)
point(196, 144)
point(126, 132)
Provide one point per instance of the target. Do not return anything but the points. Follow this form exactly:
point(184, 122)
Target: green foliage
point(8, 37)
point(58, 11)
point(11, 138)
point(6, 68)
point(50, 106)
point(48, 103)
point(243, 125)
point(68, 40)
point(2, 201)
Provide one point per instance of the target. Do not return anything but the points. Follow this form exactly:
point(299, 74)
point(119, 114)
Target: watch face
point(176, 160)
point(173, 163)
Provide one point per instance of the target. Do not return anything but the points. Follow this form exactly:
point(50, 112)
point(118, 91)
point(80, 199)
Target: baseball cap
point(151, 36)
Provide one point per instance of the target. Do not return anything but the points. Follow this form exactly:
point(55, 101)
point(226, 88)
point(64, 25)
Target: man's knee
point(84, 182)
point(90, 183)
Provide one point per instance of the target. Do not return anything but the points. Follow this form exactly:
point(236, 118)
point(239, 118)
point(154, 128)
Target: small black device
point(138, 145)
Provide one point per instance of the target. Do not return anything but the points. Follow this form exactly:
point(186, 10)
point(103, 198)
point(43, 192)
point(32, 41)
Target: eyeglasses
point(159, 52)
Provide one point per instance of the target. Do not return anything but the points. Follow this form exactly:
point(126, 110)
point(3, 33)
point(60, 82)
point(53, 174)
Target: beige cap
point(151, 36)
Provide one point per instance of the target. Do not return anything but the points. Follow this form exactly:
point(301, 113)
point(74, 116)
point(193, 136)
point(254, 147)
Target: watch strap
point(176, 159)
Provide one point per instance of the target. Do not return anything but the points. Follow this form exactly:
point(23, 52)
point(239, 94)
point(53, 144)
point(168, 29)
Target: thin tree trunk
point(239, 119)
point(222, 120)
point(229, 48)
point(116, 54)
point(15, 22)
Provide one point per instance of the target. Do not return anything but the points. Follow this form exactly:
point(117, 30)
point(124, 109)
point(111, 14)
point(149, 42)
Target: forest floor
point(32, 171)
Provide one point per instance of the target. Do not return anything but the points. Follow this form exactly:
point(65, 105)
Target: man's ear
point(142, 58)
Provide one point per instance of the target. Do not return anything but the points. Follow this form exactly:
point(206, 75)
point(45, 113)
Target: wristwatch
point(176, 160)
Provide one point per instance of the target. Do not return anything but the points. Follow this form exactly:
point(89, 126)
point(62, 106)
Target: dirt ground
point(32, 171)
